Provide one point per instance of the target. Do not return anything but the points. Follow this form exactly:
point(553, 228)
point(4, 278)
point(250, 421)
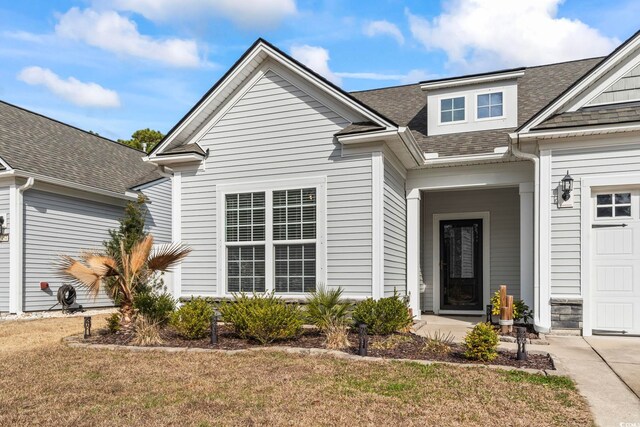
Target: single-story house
point(441, 191)
point(61, 190)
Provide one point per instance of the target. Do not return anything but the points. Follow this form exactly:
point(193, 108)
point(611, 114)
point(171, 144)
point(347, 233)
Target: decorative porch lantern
point(567, 186)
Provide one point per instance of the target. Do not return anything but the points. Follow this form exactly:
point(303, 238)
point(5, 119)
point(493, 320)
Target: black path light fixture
point(567, 186)
point(521, 340)
point(87, 327)
point(214, 329)
point(363, 340)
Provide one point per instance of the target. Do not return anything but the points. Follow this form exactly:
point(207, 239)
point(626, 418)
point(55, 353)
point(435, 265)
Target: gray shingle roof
point(182, 149)
point(360, 127)
point(407, 106)
point(37, 144)
point(590, 116)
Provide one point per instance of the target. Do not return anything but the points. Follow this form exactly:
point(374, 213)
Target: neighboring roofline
point(70, 126)
point(558, 101)
point(127, 195)
point(472, 79)
point(232, 69)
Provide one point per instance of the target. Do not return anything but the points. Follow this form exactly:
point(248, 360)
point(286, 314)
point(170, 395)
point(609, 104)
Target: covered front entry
point(474, 234)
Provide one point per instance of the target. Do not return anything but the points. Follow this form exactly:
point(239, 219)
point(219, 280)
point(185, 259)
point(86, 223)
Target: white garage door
point(616, 261)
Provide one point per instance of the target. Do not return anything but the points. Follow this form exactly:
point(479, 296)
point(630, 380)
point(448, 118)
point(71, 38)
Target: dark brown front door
point(461, 264)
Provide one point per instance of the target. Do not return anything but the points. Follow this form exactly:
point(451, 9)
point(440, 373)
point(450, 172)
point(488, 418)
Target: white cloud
point(115, 33)
point(245, 13)
point(412, 76)
point(489, 34)
point(316, 58)
point(71, 89)
point(376, 28)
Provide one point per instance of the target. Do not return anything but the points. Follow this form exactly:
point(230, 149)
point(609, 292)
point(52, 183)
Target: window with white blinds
point(284, 240)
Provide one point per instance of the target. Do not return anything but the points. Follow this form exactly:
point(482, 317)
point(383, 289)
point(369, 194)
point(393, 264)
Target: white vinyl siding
point(59, 225)
point(503, 206)
point(158, 219)
point(278, 132)
point(565, 222)
point(4, 252)
point(395, 231)
point(626, 89)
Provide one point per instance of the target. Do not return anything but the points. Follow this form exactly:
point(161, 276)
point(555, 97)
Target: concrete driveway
point(622, 354)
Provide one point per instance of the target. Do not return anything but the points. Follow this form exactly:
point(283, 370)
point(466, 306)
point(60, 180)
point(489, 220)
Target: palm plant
point(329, 313)
point(129, 271)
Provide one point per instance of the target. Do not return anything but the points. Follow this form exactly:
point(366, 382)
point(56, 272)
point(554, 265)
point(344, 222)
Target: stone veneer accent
point(566, 313)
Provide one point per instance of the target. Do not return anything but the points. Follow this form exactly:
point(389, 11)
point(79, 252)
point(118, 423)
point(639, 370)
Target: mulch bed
point(397, 346)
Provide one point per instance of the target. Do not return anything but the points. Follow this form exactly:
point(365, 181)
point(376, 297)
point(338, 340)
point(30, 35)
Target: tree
point(131, 229)
point(141, 137)
point(129, 270)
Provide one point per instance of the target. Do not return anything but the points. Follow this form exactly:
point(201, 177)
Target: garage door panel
point(615, 262)
point(614, 315)
point(614, 241)
point(610, 278)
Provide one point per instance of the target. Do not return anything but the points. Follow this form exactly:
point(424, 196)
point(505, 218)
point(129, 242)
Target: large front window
point(245, 236)
point(286, 240)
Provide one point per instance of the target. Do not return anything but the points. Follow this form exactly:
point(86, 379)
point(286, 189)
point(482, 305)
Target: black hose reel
point(67, 298)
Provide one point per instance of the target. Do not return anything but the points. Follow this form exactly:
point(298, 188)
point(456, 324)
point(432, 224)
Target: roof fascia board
point(359, 138)
point(67, 184)
point(576, 131)
point(174, 158)
point(464, 81)
point(403, 134)
point(474, 158)
point(602, 67)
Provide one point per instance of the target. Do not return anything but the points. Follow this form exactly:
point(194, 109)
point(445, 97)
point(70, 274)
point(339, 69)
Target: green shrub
point(156, 308)
point(384, 316)
point(113, 323)
point(439, 342)
point(481, 343)
point(262, 317)
point(325, 308)
point(193, 319)
point(521, 311)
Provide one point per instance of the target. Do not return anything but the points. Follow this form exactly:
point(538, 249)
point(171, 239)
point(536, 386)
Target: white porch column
point(413, 250)
point(176, 229)
point(526, 243)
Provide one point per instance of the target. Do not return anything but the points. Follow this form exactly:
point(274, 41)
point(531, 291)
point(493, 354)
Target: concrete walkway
point(611, 400)
point(622, 354)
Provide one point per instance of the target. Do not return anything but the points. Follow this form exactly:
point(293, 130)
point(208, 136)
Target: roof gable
point(592, 84)
point(241, 74)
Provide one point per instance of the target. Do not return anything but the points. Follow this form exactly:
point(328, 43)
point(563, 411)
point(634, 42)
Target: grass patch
point(202, 389)
point(552, 381)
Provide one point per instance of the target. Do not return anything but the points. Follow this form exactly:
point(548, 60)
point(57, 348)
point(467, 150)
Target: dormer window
point(452, 110)
point(489, 105)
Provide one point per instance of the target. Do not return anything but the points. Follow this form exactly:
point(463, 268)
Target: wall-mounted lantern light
point(567, 186)
point(1, 225)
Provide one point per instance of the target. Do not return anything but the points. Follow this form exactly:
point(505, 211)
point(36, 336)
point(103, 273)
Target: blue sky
point(114, 66)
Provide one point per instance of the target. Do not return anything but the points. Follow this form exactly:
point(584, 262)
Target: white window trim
point(486, 258)
point(613, 205)
point(268, 187)
point(487, 119)
point(454, 122)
